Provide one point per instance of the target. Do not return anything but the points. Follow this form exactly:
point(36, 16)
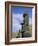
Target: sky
point(17, 17)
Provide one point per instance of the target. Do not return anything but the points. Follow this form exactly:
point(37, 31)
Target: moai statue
point(25, 25)
point(26, 22)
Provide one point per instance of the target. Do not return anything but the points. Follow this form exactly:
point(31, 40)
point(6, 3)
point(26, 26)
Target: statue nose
point(22, 23)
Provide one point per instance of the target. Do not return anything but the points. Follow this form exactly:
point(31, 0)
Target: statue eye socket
point(26, 24)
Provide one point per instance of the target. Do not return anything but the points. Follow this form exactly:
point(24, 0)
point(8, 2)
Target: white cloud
point(16, 27)
point(17, 19)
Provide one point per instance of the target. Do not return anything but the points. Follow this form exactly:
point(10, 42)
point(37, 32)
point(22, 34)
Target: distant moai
point(25, 25)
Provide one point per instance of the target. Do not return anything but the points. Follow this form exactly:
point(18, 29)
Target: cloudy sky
point(17, 17)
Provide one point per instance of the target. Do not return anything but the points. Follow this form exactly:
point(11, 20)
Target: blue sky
point(17, 14)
